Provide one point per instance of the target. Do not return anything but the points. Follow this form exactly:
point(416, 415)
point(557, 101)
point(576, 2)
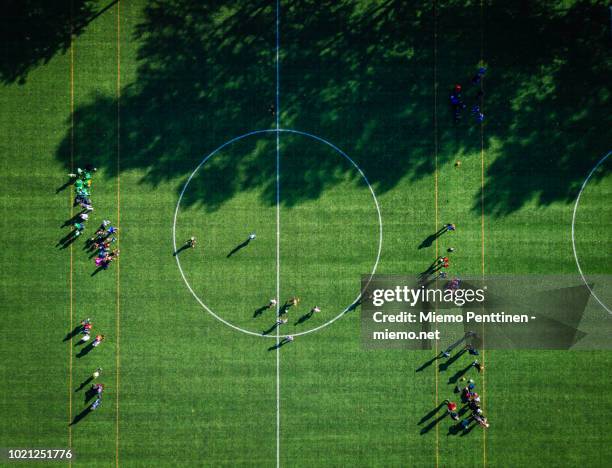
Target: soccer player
point(315, 309)
point(272, 304)
point(281, 321)
point(78, 229)
point(96, 404)
point(451, 407)
point(98, 388)
point(479, 75)
point(98, 340)
point(191, 242)
point(252, 236)
point(96, 373)
point(450, 227)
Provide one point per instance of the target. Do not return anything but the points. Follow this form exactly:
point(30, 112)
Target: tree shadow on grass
point(358, 74)
point(32, 32)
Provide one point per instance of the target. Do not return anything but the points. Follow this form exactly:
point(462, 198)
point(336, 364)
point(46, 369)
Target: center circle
point(278, 133)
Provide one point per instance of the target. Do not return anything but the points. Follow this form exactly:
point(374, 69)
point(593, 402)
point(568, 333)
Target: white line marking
point(586, 181)
point(259, 132)
point(277, 113)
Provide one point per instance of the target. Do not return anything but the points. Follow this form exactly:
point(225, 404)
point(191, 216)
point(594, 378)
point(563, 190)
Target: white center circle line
point(277, 131)
point(584, 184)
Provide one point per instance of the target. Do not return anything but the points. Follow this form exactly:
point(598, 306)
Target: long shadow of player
point(429, 240)
point(259, 311)
point(433, 424)
point(280, 344)
point(304, 317)
point(68, 239)
point(80, 416)
point(84, 383)
point(445, 365)
point(425, 365)
point(185, 246)
point(76, 330)
point(89, 394)
point(238, 247)
point(270, 330)
point(85, 351)
point(432, 413)
point(460, 373)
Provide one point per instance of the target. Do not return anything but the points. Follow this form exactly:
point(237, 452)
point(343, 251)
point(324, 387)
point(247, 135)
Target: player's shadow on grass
point(180, 249)
point(426, 364)
point(71, 334)
point(433, 423)
point(79, 417)
point(279, 345)
point(304, 318)
point(446, 364)
point(429, 240)
point(90, 394)
point(99, 269)
point(82, 341)
point(459, 429)
point(64, 186)
point(67, 240)
point(85, 351)
point(431, 414)
point(71, 221)
point(239, 247)
point(260, 310)
point(460, 373)
point(270, 330)
point(84, 383)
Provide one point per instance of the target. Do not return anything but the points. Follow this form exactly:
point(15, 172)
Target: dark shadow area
point(67, 240)
point(75, 331)
point(84, 384)
point(280, 344)
point(205, 74)
point(89, 394)
point(85, 351)
point(81, 341)
point(469, 429)
point(429, 240)
point(304, 318)
point(80, 416)
point(270, 330)
point(180, 249)
point(446, 364)
point(238, 247)
point(426, 364)
point(259, 311)
point(460, 373)
point(432, 413)
point(99, 269)
point(64, 186)
point(433, 424)
point(32, 32)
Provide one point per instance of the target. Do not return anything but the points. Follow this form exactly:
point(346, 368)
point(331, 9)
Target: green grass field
point(145, 91)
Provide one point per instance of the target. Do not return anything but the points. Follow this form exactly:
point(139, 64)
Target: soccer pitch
point(325, 129)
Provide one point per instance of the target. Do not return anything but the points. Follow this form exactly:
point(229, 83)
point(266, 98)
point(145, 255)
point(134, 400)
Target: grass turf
point(372, 78)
